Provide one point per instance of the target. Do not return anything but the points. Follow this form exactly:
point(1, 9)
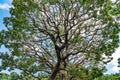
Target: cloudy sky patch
point(112, 67)
point(5, 6)
point(116, 55)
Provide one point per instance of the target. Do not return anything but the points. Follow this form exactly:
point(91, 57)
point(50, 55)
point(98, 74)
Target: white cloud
point(5, 6)
point(114, 62)
point(116, 55)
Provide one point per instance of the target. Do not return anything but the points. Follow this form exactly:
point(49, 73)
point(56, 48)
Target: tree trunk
point(53, 75)
point(54, 72)
point(57, 66)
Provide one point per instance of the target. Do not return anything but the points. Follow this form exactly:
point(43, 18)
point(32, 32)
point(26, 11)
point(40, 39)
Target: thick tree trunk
point(53, 75)
point(55, 71)
point(57, 66)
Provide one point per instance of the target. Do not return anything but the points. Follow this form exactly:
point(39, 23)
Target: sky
point(4, 12)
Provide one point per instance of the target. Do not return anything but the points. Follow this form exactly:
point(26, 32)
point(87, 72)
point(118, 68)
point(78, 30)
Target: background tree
point(46, 36)
point(15, 76)
point(115, 76)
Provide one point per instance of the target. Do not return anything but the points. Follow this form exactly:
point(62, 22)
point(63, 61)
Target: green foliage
point(85, 73)
point(110, 77)
point(15, 76)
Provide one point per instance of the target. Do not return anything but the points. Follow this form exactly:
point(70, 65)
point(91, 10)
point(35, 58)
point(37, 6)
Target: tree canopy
point(49, 38)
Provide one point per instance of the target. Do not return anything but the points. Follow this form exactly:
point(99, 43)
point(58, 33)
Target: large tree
point(46, 37)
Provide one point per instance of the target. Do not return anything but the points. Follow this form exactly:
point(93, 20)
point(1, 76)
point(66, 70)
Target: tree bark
point(55, 71)
point(57, 66)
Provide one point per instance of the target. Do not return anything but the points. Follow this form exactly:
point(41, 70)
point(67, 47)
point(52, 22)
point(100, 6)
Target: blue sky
point(4, 12)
